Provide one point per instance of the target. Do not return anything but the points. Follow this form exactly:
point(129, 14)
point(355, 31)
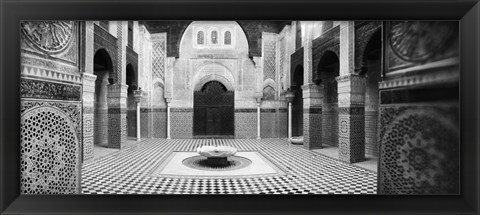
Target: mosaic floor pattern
point(129, 171)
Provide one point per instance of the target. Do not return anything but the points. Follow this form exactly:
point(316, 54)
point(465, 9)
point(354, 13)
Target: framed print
point(239, 107)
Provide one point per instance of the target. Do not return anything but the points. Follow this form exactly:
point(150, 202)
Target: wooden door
point(213, 111)
point(214, 121)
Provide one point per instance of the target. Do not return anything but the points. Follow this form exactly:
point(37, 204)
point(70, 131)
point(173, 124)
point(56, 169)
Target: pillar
point(289, 120)
point(88, 115)
point(88, 93)
point(138, 99)
point(117, 115)
point(259, 100)
point(138, 121)
point(312, 109)
point(312, 116)
point(168, 118)
point(351, 118)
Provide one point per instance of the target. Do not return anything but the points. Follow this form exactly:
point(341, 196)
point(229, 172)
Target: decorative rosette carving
point(49, 36)
point(417, 41)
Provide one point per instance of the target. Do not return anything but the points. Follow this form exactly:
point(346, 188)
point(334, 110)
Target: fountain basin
point(297, 140)
point(217, 155)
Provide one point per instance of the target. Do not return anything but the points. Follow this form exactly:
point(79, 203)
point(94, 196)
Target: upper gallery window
point(214, 37)
point(227, 38)
point(200, 38)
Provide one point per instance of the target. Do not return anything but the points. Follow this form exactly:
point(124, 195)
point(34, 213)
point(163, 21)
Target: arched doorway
point(131, 81)
point(102, 69)
point(213, 111)
point(372, 72)
point(328, 69)
point(297, 103)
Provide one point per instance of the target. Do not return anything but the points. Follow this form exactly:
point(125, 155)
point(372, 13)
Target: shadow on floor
point(103, 150)
point(370, 163)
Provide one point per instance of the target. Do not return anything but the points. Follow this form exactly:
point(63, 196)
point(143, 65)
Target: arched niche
point(132, 83)
point(372, 71)
point(297, 103)
point(328, 69)
point(102, 68)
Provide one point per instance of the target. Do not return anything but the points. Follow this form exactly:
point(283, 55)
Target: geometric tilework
point(159, 121)
point(246, 124)
point(145, 123)
point(351, 134)
point(117, 130)
point(312, 129)
point(371, 127)
point(268, 124)
point(182, 124)
point(283, 124)
point(330, 127)
point(49, 152)
point(130, 171)
point(419, 151)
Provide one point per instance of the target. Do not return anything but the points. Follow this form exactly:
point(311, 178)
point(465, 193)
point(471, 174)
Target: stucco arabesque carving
point(48, 36)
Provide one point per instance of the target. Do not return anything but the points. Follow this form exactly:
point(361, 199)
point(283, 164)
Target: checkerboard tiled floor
point(129, 171)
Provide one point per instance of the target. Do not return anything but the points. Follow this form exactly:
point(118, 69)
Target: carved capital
point(258, 99)
point(117, 90)
point(137, 94)
point(312, 91)
point(88, 82)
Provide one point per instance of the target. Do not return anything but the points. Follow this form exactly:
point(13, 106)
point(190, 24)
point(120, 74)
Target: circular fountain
point(217, 155)
point(216, 158)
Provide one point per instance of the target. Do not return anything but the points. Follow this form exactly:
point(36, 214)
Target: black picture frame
point(11, 12)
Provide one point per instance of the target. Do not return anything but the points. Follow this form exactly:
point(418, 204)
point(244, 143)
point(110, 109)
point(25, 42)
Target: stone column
point(88, 114)
point(138, 98)
point(169, 100)
point(351, 118)
point(289, 95)
point(117, 115)
point(312, 116)
point(289, 120)
point(259, 100)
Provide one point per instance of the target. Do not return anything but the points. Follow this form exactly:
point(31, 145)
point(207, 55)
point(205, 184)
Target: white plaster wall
point(112, 28)
point(136, 36)
point(230, 63)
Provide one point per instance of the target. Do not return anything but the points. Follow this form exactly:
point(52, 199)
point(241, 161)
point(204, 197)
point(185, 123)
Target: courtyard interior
point(135, 170)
